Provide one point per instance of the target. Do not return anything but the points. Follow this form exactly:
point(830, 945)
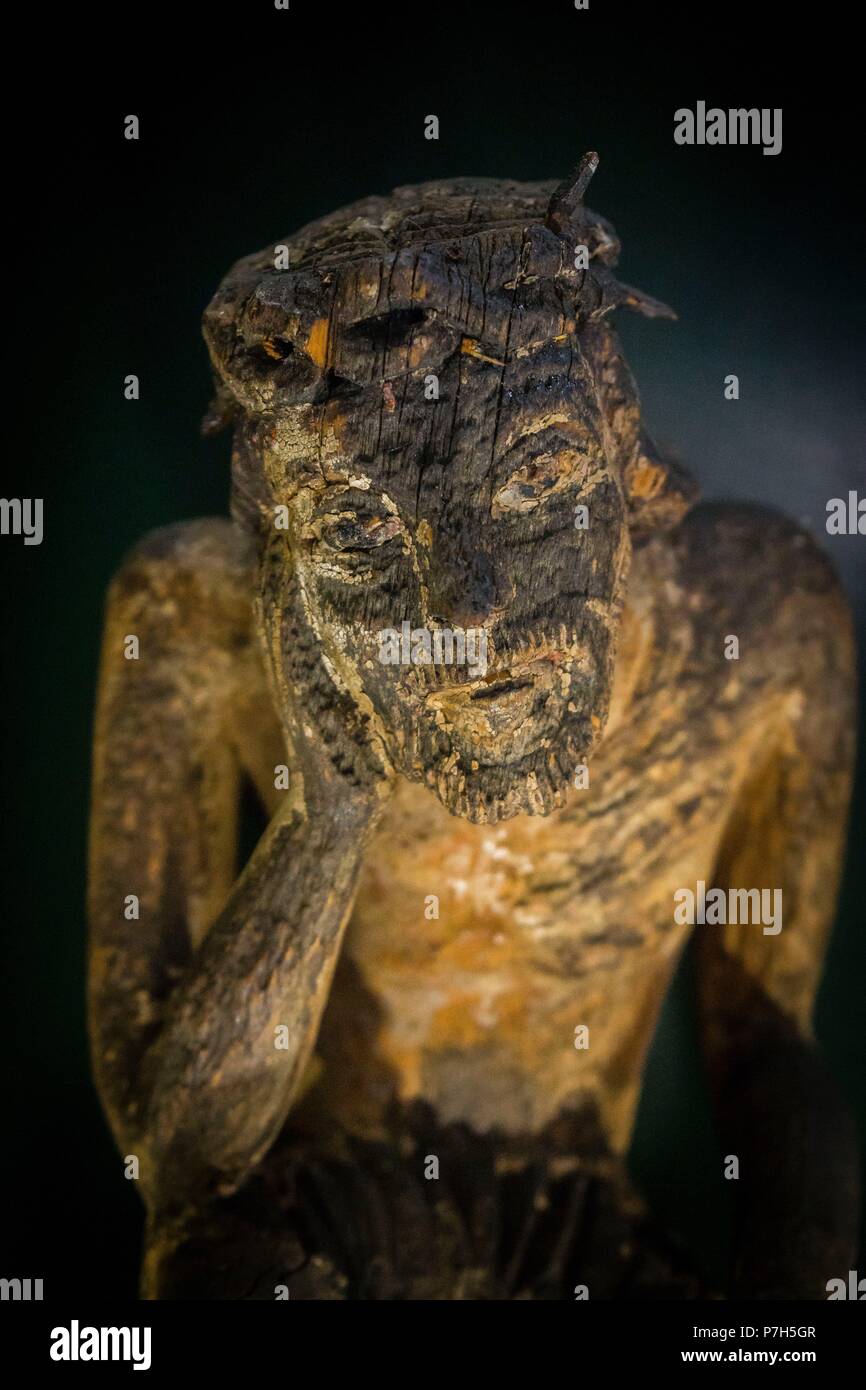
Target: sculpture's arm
point(239, 1030)
point(187, 997)
point(777, 1107)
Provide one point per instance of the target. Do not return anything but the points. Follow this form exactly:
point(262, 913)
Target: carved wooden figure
point(398, 1053)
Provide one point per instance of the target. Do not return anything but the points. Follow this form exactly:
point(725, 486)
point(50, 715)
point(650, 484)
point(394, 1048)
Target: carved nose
point(463, 591)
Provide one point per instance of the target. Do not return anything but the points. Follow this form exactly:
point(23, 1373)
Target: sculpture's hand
point(335, 750)
point(335, 761)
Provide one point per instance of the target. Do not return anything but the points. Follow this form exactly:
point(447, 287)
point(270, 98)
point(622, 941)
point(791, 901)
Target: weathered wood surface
point(413, 1035)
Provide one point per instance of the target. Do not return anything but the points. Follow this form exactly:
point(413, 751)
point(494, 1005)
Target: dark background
point(253, 122)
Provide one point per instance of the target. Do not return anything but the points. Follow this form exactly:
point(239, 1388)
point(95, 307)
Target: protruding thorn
point(569, 195)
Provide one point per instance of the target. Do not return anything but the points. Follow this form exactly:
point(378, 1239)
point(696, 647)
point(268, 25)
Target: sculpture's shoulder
point(189, 583)
point(209, 550)
point(747, 572)
point(760, 568)
point(742, 638)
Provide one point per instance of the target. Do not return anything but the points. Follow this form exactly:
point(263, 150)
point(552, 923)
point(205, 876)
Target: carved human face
point(427, 450)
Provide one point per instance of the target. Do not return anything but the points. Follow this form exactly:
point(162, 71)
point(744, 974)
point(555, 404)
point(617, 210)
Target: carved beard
point(481, 779)
point(536, 785)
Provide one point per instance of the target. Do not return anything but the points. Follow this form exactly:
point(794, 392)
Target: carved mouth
point(498, 685)
point(510, 692)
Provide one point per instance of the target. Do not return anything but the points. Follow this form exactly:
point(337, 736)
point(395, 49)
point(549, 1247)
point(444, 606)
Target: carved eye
point(274, 361)
point(351, 534)
point(275, 355)
point(530, 485)
point(275, 349)
point(391, 330)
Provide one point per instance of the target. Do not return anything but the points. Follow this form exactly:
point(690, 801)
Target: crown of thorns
point(457, 222)
point(454, 210)
point(446, 215)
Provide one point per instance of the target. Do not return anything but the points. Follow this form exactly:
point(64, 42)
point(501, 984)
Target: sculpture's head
point(438, 445)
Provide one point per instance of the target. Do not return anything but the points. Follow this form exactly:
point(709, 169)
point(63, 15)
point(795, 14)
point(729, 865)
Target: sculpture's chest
point(563, 895)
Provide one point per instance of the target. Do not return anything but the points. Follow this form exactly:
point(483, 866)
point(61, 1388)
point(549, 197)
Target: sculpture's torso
point(547, 924)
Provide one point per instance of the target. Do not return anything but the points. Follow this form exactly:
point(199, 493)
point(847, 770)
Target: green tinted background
point(274, 120)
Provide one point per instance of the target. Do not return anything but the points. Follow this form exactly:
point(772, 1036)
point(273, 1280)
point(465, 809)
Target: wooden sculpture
point(398, 1053)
